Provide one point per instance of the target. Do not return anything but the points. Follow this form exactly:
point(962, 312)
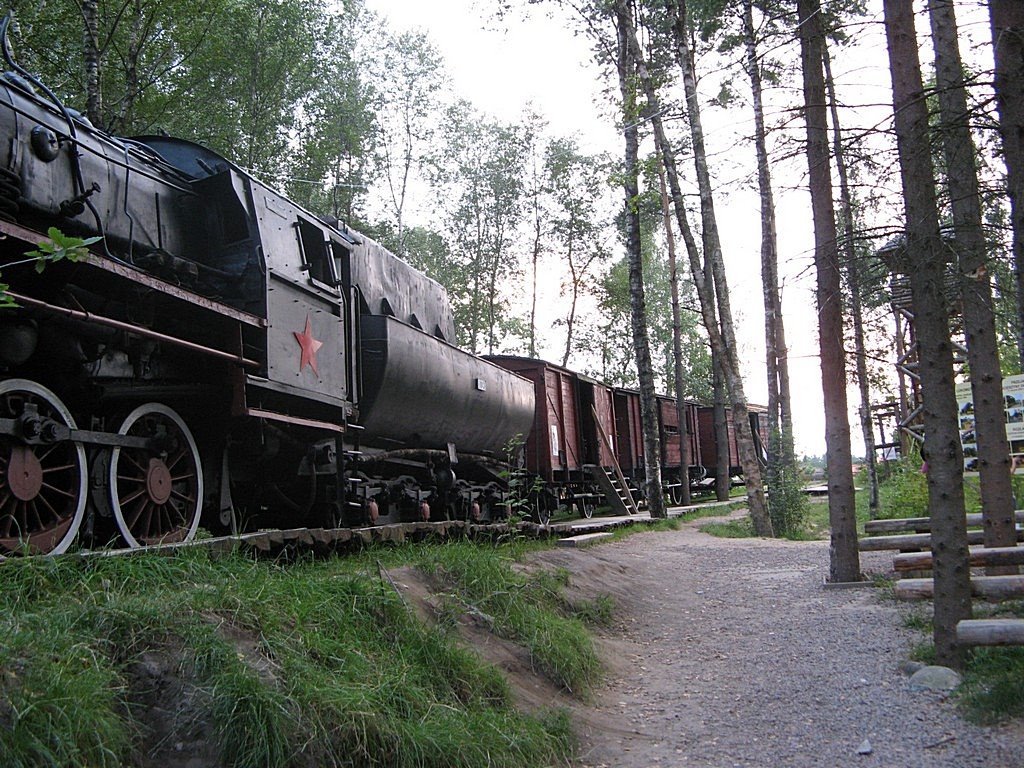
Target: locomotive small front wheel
point(42, 486)
point(371, 512)
point(156, 493)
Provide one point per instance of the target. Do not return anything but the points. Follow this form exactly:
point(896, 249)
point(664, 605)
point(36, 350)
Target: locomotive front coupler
point(32, 429)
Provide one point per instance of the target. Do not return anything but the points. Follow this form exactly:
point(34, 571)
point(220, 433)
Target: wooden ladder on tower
point(612, 481)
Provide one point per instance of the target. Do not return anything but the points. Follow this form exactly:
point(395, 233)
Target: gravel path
point(735, 655)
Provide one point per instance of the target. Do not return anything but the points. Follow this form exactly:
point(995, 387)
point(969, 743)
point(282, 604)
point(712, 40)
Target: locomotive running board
point(259, 413)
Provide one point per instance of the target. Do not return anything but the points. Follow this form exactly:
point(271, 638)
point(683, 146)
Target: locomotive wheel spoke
point(58, 489)
point(42, 487)
point(183, 497)
point(156, 495)
point(130, 497)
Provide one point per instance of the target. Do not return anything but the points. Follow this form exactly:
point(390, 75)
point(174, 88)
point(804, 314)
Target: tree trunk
point(925, 262)
point(781, 458)
point(677, 341)
point(723, 460)
point(570, 321)
point(645, 372)
point(535, 258)
point(720, 329)
point(91, 57)
point(975, 286)
point(845, 560)
point(856, 304)
point(1007, 20)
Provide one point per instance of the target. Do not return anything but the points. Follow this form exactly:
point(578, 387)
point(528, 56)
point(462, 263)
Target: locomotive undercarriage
point(120, 471)
point(137, 477)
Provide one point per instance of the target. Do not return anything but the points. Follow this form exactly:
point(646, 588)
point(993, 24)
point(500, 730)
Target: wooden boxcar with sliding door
point(572, 417)
point(631, 453)
point(671, 459)
point(709, 447)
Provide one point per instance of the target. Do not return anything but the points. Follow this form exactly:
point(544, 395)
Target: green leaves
point(57, 248)
point(60, 247)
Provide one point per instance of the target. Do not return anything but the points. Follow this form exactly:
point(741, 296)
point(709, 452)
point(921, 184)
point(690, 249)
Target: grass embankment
point(264, 664)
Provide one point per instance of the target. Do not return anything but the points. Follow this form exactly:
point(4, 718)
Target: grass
point(525, 608)
point(308, 663)
point(992, 690)
point(742, 528)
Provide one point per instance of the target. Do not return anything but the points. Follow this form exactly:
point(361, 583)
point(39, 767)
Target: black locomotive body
point(222, 353)
point(220, 349)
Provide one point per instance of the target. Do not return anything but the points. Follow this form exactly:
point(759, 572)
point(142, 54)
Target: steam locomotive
point(222, 352)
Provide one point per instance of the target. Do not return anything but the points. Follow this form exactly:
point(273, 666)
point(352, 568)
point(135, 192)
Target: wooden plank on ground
point(990, 632)
point(979, 557)
point(992, 588)
point(911, 541)
point(922, 524)
point(583, 539)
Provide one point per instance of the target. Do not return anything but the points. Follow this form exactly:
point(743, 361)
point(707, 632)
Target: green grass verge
point(525, 608)
point(992, 690)
point(741, 528)
point(312, 663)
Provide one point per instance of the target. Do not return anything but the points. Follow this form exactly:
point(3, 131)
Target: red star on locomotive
point(309, 347)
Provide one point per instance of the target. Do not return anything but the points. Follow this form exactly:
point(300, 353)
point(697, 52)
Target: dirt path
point(731, 653)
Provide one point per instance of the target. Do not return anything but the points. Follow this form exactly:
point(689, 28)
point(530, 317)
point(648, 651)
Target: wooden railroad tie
point(990, 632)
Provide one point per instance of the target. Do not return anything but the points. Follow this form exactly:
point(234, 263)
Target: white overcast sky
point(540, 62)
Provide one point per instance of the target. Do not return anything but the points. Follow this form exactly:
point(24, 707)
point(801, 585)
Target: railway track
point(325, 541)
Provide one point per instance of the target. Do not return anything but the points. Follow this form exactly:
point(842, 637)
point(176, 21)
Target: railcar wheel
point(42, 487)
point(156, 492)
point(587, 507)
point(542, 507)
point(675, 494)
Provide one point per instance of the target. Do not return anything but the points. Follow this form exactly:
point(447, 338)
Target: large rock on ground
point(934, 678)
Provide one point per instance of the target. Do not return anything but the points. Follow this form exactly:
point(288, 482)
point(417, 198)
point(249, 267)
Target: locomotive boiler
point(220, 352)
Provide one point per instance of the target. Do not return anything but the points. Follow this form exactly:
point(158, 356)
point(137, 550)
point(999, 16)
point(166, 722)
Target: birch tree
point(785, 499)
point(709, 278)
point(627, 63)
point(576, 184)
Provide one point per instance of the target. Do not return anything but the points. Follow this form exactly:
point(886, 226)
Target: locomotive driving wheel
point(42, 485)
point(156, 492)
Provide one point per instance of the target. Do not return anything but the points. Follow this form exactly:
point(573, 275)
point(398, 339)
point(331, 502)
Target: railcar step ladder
point(611, 480)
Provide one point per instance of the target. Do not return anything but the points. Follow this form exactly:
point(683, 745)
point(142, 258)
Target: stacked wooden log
point(912, 537)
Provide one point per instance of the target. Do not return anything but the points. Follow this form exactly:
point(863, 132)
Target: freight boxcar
point(573, 433)
point(709, 447)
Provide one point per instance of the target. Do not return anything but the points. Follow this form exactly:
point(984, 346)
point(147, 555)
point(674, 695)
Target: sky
point(540, 62)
